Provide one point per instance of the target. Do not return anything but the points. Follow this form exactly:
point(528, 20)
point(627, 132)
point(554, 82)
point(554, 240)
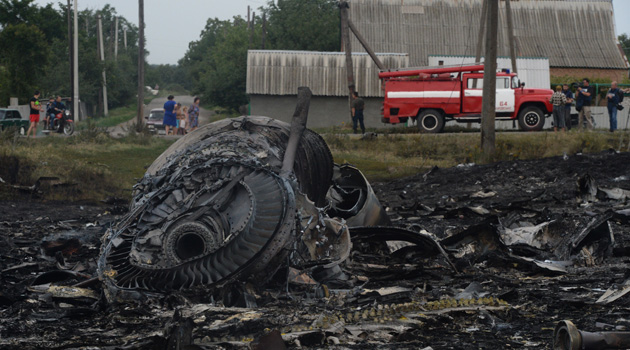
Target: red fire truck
point(435, 95)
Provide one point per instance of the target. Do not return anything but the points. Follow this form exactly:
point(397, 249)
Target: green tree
point(24, 57)
point(216, 65)
point(624, 39)
point(304, 25)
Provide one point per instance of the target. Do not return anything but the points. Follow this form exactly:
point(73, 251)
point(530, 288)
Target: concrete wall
point(332, 111)
point(324, 111)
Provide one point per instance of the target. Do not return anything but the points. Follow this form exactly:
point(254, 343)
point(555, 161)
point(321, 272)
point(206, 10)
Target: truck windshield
point(516, 83)
point(502, 83)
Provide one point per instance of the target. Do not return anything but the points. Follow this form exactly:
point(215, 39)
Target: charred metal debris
point(245, 234)
point(236, 201)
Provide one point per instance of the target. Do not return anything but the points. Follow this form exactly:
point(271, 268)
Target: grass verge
point(90, 166)
point(394, 156)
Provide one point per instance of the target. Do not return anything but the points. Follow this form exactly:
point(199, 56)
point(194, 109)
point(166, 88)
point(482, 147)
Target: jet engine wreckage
point(235, 201)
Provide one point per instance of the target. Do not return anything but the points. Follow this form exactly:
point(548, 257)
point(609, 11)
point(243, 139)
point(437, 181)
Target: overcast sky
point(171, 25)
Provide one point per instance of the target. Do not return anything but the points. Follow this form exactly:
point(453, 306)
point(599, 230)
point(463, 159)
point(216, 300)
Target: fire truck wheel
point(430, 121)
point(531, 119)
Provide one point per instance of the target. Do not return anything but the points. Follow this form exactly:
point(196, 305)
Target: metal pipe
point(566, 336)
point(431, 70)
point(298, 125)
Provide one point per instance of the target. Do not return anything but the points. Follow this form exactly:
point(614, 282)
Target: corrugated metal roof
point(282, 72)
point(571, 33)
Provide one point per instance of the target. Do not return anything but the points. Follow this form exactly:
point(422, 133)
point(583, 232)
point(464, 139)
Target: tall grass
point(393, 156)
point(91, 165)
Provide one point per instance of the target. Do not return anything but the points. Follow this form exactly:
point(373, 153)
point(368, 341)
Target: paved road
point(204, 114)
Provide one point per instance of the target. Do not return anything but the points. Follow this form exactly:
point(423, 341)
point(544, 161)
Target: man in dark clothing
point(613, 100)
point(36, 107)
point(357, 112)
point(50, 113)
point(584, 96)
point(567, 107)
point(59, 107)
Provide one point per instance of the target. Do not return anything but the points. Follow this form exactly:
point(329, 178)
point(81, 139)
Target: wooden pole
point(511, 38)
point(367, 47)
point(75, 65)
point(102, 52)
point(264, 30)
point(345, 32)
point(140, 113)
point(488, 111)
point(70, 49)
point(249, 23)
point(125, 38)
point(251, 31)
point(99, 107)
point(480, 35)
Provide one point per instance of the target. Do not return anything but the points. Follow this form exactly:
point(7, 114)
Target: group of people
point(180, 120)
point(563, 99)
point(53, 107)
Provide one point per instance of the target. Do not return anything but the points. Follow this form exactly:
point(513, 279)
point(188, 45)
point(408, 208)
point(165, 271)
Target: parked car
point(12, 118)
point(155, 119)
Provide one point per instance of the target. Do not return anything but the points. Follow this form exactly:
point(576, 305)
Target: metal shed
point(571, 33)
point(274, 76)
point(282, 72)
point(534, 71)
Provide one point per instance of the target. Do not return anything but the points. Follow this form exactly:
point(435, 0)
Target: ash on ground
point(531, 243)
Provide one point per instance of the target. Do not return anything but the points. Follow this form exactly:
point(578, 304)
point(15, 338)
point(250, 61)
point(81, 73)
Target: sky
point(171, 25)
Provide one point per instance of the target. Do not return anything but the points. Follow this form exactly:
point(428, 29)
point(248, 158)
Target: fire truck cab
point(434, 95)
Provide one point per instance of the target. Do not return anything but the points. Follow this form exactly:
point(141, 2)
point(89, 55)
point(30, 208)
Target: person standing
point(193, 115)
point(182, 122)
point(558, 100)
point(170, 119)
point(36, 107)
point(613, 100)
point(357, 112)
point(567, 107)
point(584, 97)
point(50, 113)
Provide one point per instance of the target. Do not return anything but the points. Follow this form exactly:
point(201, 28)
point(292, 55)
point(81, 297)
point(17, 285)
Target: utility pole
point(140, 114)
point(249, 23)
point(488, 109)
point(251, 31)
point(365, 45)
point(70, 49)
point(116, 40)
point(511, 38)
point(75, 65)
point(264, 30)
point(480, 35)
point(125, 38)
point(102, 54)
point(345, 37)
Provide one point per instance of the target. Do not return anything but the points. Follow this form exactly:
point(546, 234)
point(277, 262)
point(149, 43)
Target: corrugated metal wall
point(282, 72)
point(571, 33)
point(533, 71)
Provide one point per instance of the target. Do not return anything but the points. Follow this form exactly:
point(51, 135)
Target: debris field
point(526, 244)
